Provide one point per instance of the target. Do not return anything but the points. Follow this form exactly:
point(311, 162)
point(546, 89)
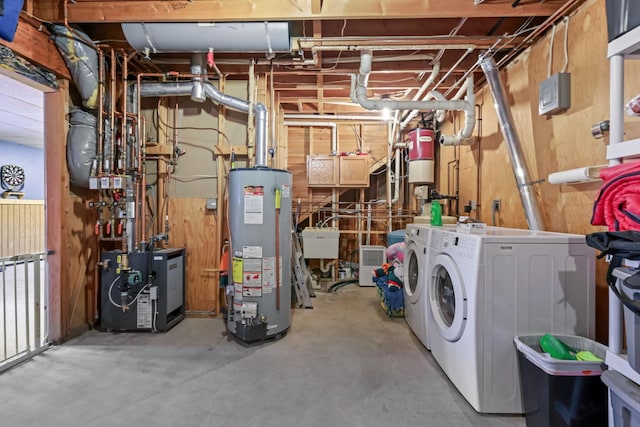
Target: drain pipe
point(359, 94)
point(463, 137)
point(532, 213)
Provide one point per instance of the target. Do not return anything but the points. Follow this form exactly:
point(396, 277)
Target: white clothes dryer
point(485, 289)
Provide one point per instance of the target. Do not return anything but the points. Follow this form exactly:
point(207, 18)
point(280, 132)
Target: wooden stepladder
point(301, 275)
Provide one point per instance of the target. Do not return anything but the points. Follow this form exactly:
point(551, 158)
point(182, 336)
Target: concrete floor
point(343, 363)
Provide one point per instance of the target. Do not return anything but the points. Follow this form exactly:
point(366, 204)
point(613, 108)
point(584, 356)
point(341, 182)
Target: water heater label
point(253, 204)
point(237, 270)
point(237, 291)
point(252, 283)
point(286, 190)
point(252, 252)
point(268, 274)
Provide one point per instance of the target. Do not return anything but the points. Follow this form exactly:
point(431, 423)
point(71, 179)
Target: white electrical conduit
point(359, 95)
point(333, 126)
point(392, 132)
point(293, 116)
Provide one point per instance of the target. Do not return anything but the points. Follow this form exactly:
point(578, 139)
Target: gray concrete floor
point(343, 363)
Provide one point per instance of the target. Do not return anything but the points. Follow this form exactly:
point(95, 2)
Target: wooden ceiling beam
point(90, 11)
point(37, 47)
point(316, 6)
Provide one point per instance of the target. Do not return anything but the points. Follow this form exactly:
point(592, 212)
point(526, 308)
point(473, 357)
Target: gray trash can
point(632, 324)
point(558, 393)
point(625, 399)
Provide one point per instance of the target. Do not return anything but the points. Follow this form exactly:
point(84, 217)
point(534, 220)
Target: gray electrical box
point(555, 94)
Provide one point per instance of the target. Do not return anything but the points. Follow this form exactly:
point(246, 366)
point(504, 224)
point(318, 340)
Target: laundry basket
point(560, 393)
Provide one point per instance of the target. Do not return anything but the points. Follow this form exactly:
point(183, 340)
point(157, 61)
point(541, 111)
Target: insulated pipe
point(333, 117)
point(440, 97)
point(464, 135)
point(534, 219)
point(359, 94)
point(333, 126)
point(413, 113)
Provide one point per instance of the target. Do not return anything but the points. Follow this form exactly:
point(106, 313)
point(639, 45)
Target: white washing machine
point(416, 258)
point(416, 252)
point(486, 289)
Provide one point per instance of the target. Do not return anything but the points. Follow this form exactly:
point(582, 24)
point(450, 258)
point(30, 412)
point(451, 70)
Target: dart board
point(12, 177)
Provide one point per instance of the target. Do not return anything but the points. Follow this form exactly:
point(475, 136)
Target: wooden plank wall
point(302, 141)
point(194, 228)
point(549, 143)
point(21, 227)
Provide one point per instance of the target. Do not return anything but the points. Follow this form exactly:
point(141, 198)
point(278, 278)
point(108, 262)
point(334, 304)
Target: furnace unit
point(142, 291)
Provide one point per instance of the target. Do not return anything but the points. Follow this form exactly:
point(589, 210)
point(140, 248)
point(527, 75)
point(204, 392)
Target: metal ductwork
point(359, 96)
point(534, 219)
point(187, 88)
point(81, 59)
point(165, 37)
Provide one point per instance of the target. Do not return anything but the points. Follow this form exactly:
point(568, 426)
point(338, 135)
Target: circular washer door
point(413, 275)
point(447, 298)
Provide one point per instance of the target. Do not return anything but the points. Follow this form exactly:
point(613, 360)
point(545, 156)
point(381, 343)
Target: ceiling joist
point(90, 11)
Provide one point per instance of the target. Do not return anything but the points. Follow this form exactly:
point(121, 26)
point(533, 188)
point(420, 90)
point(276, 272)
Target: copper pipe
point(143, 201)
point(100, 109)
point(112, 106)
point(65, 9)
point(128, 160)
point(277, 256)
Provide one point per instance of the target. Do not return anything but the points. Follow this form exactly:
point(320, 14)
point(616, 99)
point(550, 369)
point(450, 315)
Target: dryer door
point(413, 272)
point(447, 297)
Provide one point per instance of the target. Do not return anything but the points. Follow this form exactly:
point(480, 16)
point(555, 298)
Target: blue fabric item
point(9, 19)
point(392, 296)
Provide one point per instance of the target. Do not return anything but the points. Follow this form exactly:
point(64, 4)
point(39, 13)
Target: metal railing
point(23, 308)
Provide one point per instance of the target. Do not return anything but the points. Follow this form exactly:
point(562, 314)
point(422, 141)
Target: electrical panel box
point(130, 301)
point(555, 94)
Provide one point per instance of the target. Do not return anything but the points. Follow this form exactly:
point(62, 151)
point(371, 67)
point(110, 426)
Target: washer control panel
point(464, 246)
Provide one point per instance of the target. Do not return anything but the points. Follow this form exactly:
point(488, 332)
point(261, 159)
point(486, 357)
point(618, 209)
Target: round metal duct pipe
point(514, 148)
point(200, 37)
